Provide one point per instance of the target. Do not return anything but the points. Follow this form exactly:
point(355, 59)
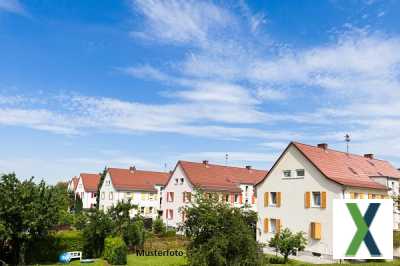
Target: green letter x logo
point(363, 233)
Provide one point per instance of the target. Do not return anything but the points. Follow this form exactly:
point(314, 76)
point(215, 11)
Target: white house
point(86, 189)
point(72, 184)
point(299, 189)
point(143, 188)
point(232, 184)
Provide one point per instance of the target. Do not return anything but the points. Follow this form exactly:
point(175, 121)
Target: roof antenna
point(347, 139)
point(165, 167)
point(226, 159)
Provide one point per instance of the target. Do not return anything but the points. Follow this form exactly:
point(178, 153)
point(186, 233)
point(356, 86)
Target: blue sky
point(85, 84)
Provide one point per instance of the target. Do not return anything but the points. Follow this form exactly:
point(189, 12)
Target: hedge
point(396, 239)
point(115, 251)
point(49, 248)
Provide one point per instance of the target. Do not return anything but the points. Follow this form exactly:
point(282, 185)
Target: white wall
point(148, 200)
point(87, 200)
point(178, 203)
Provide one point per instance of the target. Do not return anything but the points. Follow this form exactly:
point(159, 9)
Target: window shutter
point(172, 196)
point(278, 225)
point(253, 199)
point(266, 229)
point(307, 199)
point(232, 198)
point(184, 197)
point(240, 198)
point(315, 231)
point(189, 196)
point(352, 196)
point(278, 199)
point(323, 199)
point(361, 195)
point(266, 198)
point(369, 196)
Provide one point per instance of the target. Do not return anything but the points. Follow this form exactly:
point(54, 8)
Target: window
point(315, 231)
point(247, 201)
point(151, 209)
point(226, 197)
point(170, 196)
point(316, 199)
point(108, 182)
point(176, 181)
point(287, 173)
point(273, 199)
point(142, 210)
point(103, 195)
point(247, 187)
point(182, 181)
point(300, 172)
point(110, 196)
point(236, 198)
point(151, 196)
point(274, 226)
point(169, 214)
point(187, 197)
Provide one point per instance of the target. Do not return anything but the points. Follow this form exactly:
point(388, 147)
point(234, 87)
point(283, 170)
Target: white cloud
point(145, 72)
point(12, 6)
point(181, 21)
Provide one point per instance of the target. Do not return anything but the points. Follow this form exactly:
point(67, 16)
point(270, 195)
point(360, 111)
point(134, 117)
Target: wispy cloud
point(12, 6)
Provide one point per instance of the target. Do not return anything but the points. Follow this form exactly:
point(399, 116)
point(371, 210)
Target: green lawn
point(138, 261)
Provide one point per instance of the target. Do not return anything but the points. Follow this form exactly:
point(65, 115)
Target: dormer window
point(176, 181)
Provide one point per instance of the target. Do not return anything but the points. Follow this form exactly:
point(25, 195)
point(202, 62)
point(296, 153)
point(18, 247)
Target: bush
point(115, 251)
point(69, 240)
point(170, 233)
point(396, 239)
point(158, 227)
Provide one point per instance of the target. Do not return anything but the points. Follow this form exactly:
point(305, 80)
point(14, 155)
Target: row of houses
point(297, 192)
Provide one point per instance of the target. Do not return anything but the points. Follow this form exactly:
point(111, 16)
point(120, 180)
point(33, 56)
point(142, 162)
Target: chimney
point(132, 169)
point(369, 156)
point(205, 162)
point(248, 167)
point(323, 146)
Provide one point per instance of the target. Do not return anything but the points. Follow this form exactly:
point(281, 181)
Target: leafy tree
point(219, 234)
point(102, 177)
point(27, 212)
point(78, 205)
point(132, 230)
point(288, 243)
point(159, 227)
point(98, 227)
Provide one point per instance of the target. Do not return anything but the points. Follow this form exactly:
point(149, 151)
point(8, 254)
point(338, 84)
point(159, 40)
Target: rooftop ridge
point(220, 165)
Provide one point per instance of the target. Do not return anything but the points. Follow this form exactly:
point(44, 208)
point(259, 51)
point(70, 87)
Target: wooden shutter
point(266, 227)
point(253, 199)
point(184, 196)
point(240, 198)
point(172, 196)
point(323, 199)
point(278, 199)
point(307, 199)
point(278, 225)
point(315, 231)
point(266, 198)
point(362, 196)
point(352, 196)
point(172, 214)
point(189, 196)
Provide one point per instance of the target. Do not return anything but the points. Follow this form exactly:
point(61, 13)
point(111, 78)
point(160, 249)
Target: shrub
point(288, 243)
point(115, 251)
point(170, 233)
point(69, 240)
point(158, 227)
point(396, 239)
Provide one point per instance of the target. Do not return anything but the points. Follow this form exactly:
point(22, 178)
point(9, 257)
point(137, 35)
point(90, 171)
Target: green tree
point(159, 227)
point(132, 230)
point(98, 226)
point(102, 177)
point(219, 234)
point(288, 243)
point(27, 212)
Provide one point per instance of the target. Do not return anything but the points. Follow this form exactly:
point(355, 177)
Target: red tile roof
point(220, 178)
point(126, 179)
point(346, 168)
point(90, 181)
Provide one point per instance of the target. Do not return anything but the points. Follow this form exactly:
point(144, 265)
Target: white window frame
point(271, 198)
point(273, 225)
point(313, 202)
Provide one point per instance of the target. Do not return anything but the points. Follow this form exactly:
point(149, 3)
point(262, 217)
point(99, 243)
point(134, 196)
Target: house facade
point(142, 188)
point(72, 184)
point(86, 189)
point(299, 189)
point(233, 185)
